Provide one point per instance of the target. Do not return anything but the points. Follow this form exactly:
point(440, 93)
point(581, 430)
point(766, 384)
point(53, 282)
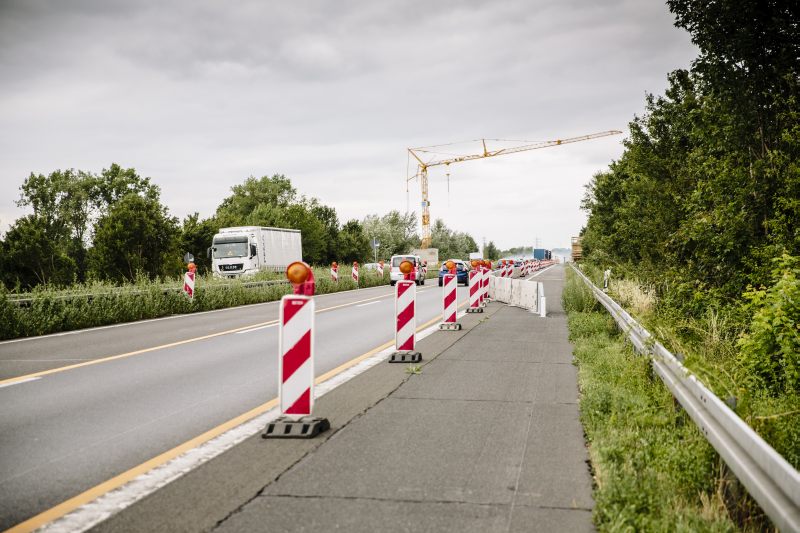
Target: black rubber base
point(406, 357)
point(450, 326)
point(304, 428)
point(474, 309)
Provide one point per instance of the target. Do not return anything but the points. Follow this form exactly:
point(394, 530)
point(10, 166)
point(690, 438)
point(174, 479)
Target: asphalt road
point(175, 378)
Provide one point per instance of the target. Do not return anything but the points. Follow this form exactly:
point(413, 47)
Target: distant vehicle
point(245, 250)
point(395, 275)
point(542, 254)
point(462, 271)
point(370, 266)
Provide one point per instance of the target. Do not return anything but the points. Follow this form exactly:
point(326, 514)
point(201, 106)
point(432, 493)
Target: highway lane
point(69, 431)
point(24, 356)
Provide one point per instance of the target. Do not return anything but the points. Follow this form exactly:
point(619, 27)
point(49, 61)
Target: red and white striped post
point(486, 280)
point(380, 269)
point(296, 368)
point(405, 304)
point(335, 271)
point(296, 360)
point(484, 286)
point(450, 299)
point(475, 290)
point(354, 274)
point(188, 284)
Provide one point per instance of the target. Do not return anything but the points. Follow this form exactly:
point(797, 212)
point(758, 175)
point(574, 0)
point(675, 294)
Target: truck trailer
point(542, 254)
point(245, 250)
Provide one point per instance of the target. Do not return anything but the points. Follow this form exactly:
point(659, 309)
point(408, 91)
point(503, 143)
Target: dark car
point(462, 271)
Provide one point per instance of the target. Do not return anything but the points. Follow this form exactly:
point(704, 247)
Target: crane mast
point(422, 166)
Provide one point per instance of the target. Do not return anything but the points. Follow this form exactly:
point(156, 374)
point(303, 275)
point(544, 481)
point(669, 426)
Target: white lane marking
point(369, 303)
point(171, 317)
point(91, 514)
point(20, 382)
point(545, 270)
point(255, 329)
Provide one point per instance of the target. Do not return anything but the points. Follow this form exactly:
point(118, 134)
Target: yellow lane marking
point(28, 377)
point(115, 482)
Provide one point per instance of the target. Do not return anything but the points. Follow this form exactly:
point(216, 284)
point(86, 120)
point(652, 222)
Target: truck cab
point(234, 254)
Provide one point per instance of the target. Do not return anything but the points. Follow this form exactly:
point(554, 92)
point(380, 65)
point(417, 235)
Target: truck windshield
point(230, 247)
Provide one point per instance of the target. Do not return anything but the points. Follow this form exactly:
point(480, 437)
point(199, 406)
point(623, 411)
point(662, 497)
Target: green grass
point(653, 469)
point(98, 304)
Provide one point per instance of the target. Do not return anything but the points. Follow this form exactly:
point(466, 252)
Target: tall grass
point(653, 469)
point(97, 304)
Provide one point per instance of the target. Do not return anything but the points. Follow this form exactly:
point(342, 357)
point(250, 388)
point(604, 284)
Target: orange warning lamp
point(301, 278)
point(334, 265)
point(192, 267)
point(406, 267)
point(474, 263)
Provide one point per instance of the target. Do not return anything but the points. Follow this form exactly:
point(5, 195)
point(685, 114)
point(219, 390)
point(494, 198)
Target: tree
point(32, 257)
point(61, 203)
point(196, 237)
point(396, 232)
point(490, 251)
point(451, 244)
point(136, 236)
point(276, 191)
point(66, 204)
point(115, 182)
point(352, 244)
point(706, 192)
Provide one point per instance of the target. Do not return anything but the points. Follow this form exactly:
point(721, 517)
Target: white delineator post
point(405, 337)
point(475, 291)
point(188, 284)
point(542, 300)
point(449, 302)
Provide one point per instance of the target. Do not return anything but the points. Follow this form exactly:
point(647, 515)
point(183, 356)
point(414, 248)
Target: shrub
point(770, 353)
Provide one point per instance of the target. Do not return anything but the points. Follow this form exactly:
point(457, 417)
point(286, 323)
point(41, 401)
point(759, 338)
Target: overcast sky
point(198, 95)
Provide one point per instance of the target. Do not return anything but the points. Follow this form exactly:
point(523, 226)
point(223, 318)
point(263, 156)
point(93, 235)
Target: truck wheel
point(392, 283)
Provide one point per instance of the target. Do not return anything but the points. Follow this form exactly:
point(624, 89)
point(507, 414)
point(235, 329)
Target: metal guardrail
point(767, 476)
point(25, 301)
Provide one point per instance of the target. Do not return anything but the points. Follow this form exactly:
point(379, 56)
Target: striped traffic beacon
point(296, 360)
point(405, 304)
point(355, 272)
point(335, 271)
point(380, 268)
point(450, 299)
point(475, 288)
point(188, 281)
point(488, 272)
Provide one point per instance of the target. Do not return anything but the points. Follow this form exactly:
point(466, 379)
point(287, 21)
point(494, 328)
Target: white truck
point(244, 250)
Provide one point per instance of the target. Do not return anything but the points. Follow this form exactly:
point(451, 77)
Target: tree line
point(707, 191)
point(113, 226)
point(704, 203)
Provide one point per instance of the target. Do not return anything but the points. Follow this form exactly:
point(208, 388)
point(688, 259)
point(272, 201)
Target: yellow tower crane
point(423, 166)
